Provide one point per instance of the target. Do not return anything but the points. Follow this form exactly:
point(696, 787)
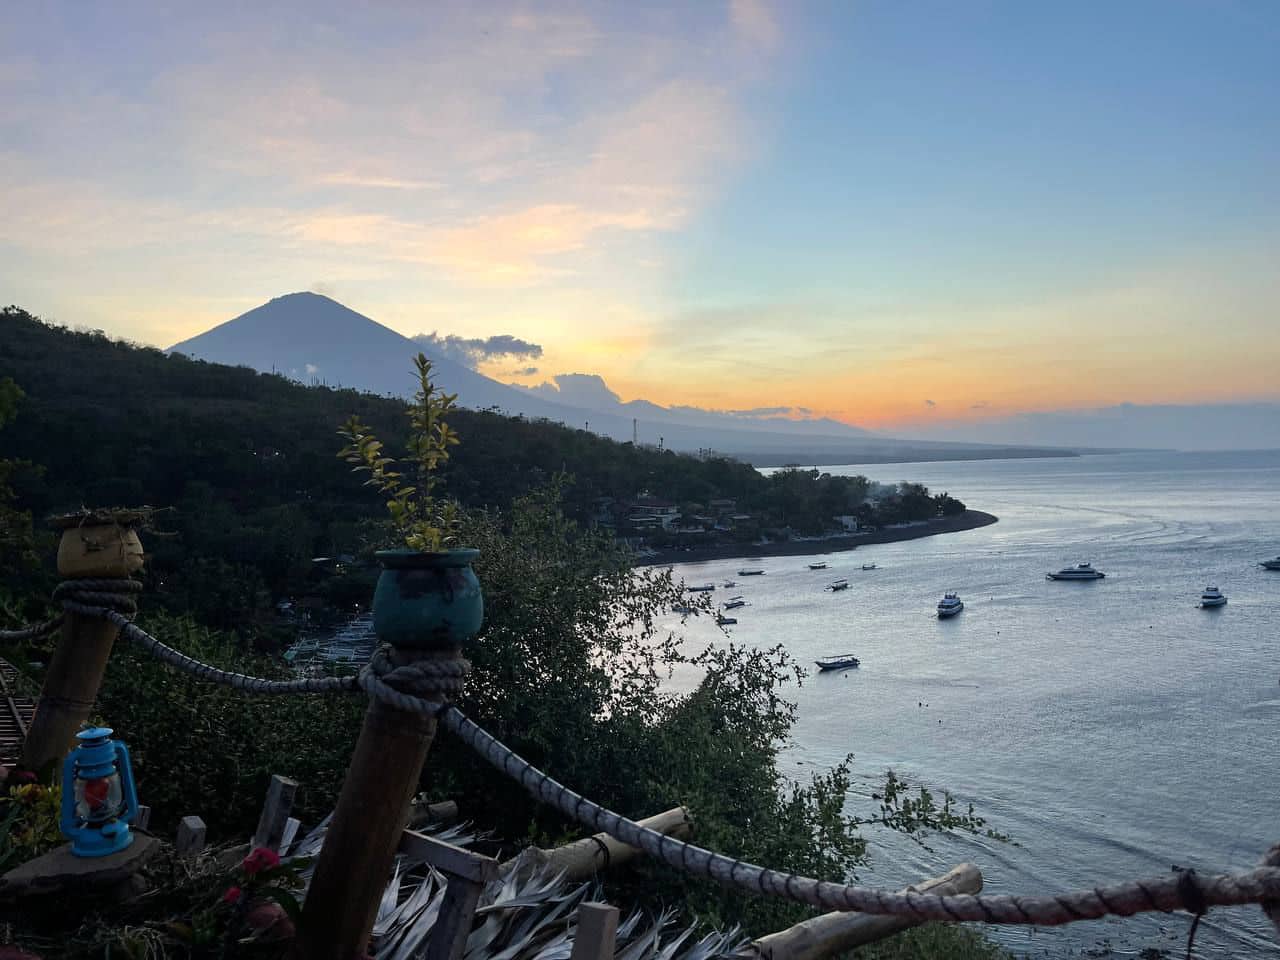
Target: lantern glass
point(99, 799)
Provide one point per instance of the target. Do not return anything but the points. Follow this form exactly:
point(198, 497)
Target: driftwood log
point(584, 858)
point(836, 933)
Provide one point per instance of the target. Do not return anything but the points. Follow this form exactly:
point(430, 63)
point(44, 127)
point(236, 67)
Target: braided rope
point(1186, 891)
point(113, 600)
point(32, 631)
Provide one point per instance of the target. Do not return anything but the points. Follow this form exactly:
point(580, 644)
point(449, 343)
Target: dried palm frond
point(529, 913)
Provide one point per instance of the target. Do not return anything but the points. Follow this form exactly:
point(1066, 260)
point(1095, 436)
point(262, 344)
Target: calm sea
point(1112, 729)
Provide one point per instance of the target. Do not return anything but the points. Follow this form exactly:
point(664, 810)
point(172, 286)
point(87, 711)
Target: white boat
point(835, 585)
point(733, 603)
point(1272, 564)
point(817, 566)
point(730, 583)
point(704, 588)
point(838, 662)
point(1081, 571)
point(1212, 597)
point(724, 621)
point(868, 566)
point(751, 572)
point(950, 605)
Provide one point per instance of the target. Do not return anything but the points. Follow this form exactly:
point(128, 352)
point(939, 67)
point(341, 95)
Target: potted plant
point(427, 594)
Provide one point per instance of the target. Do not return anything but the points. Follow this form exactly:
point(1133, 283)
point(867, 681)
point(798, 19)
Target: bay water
point(1112, 729)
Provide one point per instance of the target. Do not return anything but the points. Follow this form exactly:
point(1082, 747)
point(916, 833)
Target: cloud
point(471, 352)
point(312, 369)
point(980, 405)
point(578, 390)
point(930, 404)
point(523, 372)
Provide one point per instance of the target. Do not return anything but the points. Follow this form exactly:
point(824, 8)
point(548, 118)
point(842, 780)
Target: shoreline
point(969, 520)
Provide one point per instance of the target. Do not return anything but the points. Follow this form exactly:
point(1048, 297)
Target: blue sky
point(852, 207)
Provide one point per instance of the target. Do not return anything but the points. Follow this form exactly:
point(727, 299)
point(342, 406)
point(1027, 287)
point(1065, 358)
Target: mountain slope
point(312, 338)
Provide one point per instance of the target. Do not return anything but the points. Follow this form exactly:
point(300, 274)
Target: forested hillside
point(244, 466)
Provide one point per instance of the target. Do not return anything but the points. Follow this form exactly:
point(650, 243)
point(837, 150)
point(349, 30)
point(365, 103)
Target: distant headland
point(968, 520)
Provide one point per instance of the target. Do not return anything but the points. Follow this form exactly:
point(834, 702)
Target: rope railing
point(423, 686)
point(1185, 890)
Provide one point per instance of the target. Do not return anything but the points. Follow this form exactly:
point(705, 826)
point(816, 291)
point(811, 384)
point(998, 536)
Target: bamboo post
point(360, 845)
point(836, 933)
point(586, 857)
point(88, 550)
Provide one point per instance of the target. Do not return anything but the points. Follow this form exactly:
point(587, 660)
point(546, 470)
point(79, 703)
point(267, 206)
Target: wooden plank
point(457, 916)
point(596, 933)
point(275, 813)
point(190, 839)
point(448, 859)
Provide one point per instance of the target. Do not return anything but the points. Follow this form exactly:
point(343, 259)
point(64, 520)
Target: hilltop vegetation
point(246, 462)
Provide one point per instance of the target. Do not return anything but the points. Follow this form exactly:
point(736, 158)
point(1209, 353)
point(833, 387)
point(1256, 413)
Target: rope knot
point(93, 596)
point(421, 686)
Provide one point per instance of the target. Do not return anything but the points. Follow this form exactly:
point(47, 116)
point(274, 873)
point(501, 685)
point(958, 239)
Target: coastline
point(969, 520)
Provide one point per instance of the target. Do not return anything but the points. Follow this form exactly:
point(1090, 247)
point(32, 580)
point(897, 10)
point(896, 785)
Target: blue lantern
point(99, 799)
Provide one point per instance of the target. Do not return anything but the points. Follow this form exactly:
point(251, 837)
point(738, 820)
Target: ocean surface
point(1112, 729)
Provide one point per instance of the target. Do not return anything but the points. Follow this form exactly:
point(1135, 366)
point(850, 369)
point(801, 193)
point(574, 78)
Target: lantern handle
point(67, 822)
point(130, 814)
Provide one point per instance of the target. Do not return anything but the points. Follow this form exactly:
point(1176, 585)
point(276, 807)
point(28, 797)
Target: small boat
point(682, 608)
point(817, 566)
point(1081, 571)
point(704, 588)
point(838, 662)
point(730, 583)
point(868, 566)
point(1212, 597)
point(751, 572)
point(950, 605)
point(733, 603)
point(724, 621)
point(1272, 564)
point(835, 585)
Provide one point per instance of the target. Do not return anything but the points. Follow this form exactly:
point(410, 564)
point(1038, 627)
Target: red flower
point(260, 859)
point(232, 895)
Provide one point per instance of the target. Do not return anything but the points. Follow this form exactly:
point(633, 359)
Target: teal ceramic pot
point(427, 601)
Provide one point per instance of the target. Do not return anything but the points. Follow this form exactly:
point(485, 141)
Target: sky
point(895, 214)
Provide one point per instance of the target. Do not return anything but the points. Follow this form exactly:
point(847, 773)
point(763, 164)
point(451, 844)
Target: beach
point(969, 520)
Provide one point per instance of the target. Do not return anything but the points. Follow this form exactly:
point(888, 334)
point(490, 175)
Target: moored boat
point(724, 621)
point(1212, 597)
point(1081, 571)
point(838, 662)
point(733, 603)
point(835, 585)
point(950, 605)
point(1272, 564)
point(730, 583)
point(702, 588)
point(751, 572)
point(817, 566)
point(868, 566)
